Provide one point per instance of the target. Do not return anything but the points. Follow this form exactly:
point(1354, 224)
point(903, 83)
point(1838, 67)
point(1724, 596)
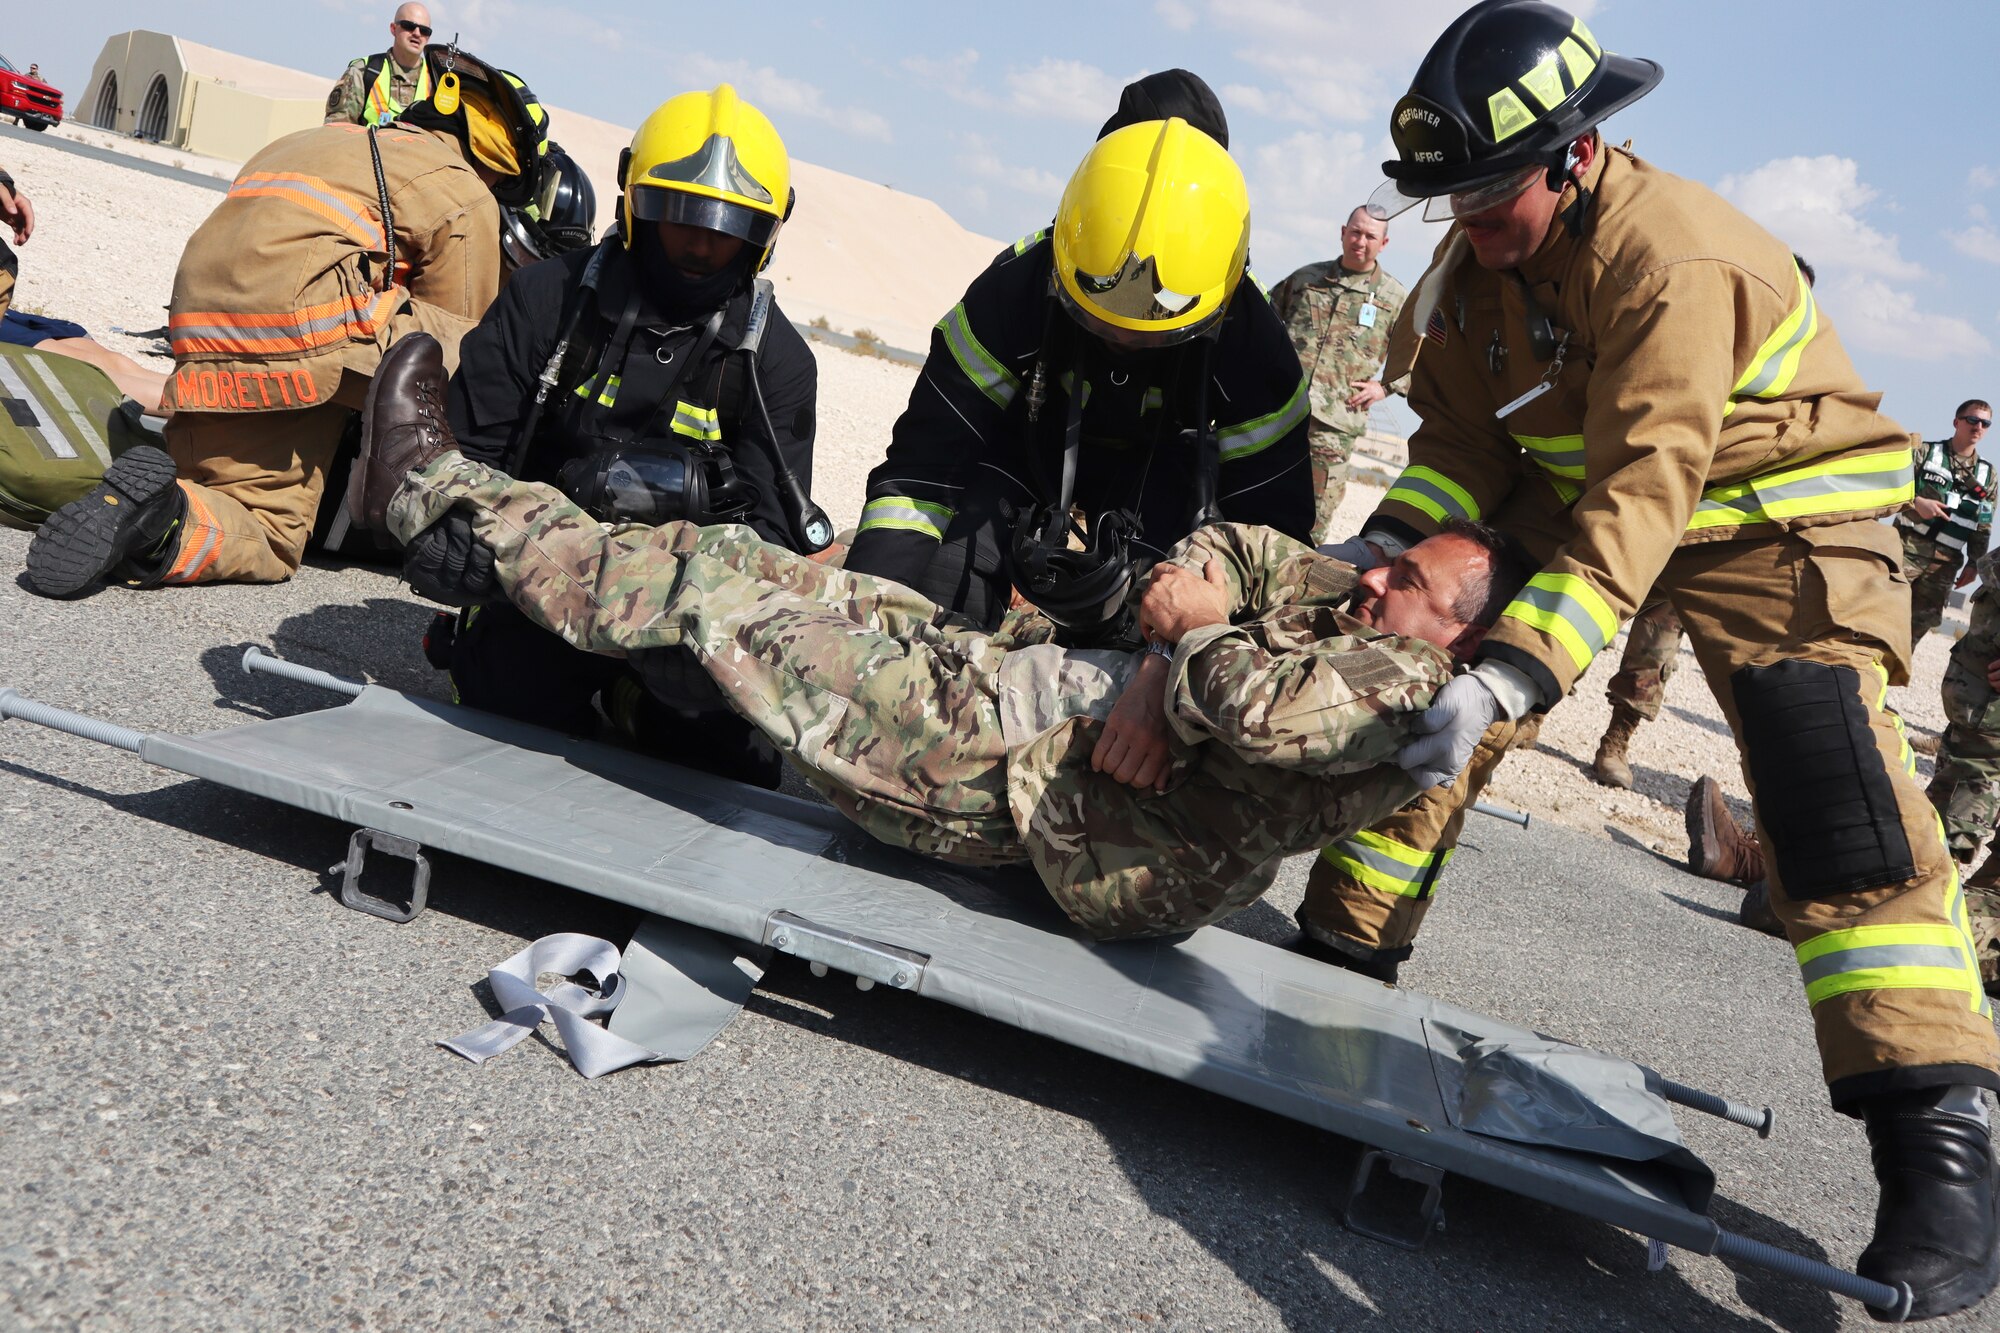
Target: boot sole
point(79, 544)
point(1697, 862)
point(357, 474)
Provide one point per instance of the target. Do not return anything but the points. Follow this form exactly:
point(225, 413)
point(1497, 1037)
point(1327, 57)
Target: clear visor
point(1390, 199)
point(653, 204)
point(1133, 340)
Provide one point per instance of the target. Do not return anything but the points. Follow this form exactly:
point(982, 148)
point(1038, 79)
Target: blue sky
point(1861, 133)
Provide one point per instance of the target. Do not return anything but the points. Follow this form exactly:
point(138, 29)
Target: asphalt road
point(221, 1105)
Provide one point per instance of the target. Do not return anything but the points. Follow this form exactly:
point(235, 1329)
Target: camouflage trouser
point(1932, 569)
point(1966, 786)
point(1652, 651)
point(1330, 450)
point(895, 720)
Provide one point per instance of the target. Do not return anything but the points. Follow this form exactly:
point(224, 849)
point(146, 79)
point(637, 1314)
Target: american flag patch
point(1434, 331)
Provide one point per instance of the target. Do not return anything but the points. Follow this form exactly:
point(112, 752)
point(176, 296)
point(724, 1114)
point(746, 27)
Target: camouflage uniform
point(975, 748)
point(1966, 786)
point(349, 101)
point(1934, 551)
point(1652, 651)
point(1339, 322)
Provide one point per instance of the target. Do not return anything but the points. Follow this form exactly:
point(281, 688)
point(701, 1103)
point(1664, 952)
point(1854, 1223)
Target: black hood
point(1170, 93)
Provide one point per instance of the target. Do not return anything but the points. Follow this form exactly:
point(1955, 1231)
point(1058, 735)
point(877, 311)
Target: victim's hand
point(1177, 602)
point(1134, 747)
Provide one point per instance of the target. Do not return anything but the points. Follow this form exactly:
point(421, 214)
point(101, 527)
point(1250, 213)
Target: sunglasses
point(1977, 423)
point(408, 26)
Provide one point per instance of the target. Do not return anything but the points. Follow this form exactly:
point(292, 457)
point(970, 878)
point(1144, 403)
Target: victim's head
point(1446, 590)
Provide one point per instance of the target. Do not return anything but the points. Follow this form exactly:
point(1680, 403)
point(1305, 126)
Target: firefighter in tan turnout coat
point(283, 303)
point(1617, 356)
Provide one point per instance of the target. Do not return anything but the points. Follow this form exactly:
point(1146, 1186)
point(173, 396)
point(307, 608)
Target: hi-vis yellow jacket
point(283, 286)
point(1696, 393)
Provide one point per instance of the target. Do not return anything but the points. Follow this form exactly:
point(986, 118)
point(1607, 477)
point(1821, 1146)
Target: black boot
point(1937, 1226)
point(1377, 965)
point(403, 427)
point(134, 514)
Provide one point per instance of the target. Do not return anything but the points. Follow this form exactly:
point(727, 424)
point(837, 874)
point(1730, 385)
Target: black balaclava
point(1171, 92)
point(674, 295)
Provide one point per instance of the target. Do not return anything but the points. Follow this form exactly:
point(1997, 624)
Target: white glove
point(1366, 552)
point(1459, 715)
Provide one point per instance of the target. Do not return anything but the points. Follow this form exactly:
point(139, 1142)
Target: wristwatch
point(1158, 649)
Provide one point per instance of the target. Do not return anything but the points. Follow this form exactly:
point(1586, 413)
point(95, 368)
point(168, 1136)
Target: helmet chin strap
point(1577, 213)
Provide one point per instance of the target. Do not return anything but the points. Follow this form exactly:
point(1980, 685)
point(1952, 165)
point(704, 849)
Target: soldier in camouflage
point(1966, 785)
point(1652, 651)
point(1338, 313)
point(1949, 524)
point(374, 90)
point(985, 748)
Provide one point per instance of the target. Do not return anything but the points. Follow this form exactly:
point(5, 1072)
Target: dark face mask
point(672, 293)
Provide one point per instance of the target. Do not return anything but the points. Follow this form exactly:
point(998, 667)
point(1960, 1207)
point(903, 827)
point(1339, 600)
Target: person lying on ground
point(1292, 679)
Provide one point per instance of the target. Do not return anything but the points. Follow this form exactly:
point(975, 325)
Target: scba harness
point(684, 471)
point(1968, 506)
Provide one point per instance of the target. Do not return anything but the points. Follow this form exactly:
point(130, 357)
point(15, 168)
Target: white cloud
point(1065, 90)
point(1980, 242)
point(950, 75)
point(981, 163)
point(1982, 178)
point(1176, 14)
point(1814, 204)
point(1876, 317)
point(778, 95)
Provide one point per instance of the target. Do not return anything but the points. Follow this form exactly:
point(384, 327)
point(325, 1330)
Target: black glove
point(446, 563)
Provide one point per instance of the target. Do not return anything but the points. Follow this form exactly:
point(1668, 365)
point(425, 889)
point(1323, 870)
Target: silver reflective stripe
point(986, 373)
point(906, 515)
point(1569, 609)
point(50, 442)
point(1872, 956)
point(1768, 502)
point(1561, 454)
point(1249, 437)
point(1774, 360)
point(49, 380)
point(1383, 864)
point(1431, 491)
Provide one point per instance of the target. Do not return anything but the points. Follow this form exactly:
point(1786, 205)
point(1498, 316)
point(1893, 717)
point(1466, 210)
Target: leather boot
point(403, 426)
point(1375, 964)
point(1756, 911)
point(1937, 1225)
point(134, 514)
point(1718, 848)
point(1610, 766)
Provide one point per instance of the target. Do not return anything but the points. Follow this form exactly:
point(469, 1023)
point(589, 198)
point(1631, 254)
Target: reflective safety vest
point(379, 74)
point(1968, 507)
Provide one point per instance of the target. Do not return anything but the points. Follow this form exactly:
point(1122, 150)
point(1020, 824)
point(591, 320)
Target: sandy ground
point(104, 252)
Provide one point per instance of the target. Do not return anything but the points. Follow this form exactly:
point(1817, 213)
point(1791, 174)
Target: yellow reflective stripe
point(1510, 115)
point(1954, 910)
point(1026, 243)
point(1854, 483)
point(899, 513)
point(1260, 433)
point(1434, 493)
point(980, 366)
point(1770, 372)
point(1579, 60)
point(1545, 83)
point(606, 396)
point(696, 422)
point(1566, 491)
point(1559, 454)
point(1567, 609)
point(1908, 758)
point(1888, 957)
point(1385, 865)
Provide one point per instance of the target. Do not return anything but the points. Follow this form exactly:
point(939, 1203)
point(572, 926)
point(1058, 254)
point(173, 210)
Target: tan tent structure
point(177, 92)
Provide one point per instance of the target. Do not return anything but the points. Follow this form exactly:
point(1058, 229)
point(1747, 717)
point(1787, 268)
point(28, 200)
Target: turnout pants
point(1800, 634)
point(253, 482)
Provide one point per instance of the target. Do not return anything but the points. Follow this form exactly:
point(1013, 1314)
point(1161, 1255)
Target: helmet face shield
point(1479, 198)
point(1128, 339)
point(656, 204)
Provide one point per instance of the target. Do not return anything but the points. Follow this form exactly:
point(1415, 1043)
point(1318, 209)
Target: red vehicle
point(35, 104)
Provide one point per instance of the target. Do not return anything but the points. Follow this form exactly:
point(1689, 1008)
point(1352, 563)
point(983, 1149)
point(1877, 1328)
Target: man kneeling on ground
point(1293, 680)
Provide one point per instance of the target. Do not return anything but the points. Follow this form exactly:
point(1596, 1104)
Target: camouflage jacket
point(1285, 722)
point(1339, 322)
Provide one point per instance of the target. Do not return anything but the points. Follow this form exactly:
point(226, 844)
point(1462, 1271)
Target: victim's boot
point(1718, 848)
point(403, 426)
point(1937, 1225)
point(1611, 766)
point(133, 515)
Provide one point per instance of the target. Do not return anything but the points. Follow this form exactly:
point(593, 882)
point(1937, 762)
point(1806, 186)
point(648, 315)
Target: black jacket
point(501, 360)
point(960, 458)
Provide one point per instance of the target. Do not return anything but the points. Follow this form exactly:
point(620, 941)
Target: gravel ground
point(220, 1105)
